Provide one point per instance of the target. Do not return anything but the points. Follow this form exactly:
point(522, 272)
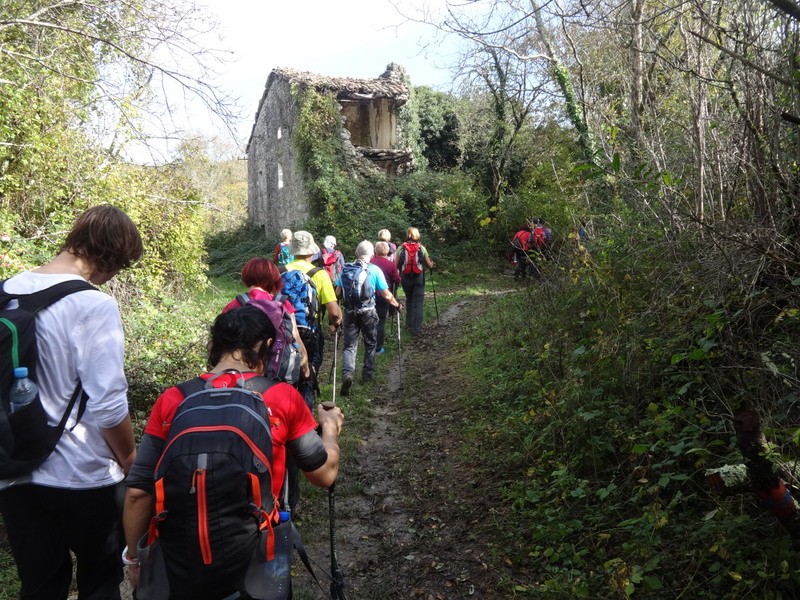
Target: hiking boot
point(346, 385)
point(366, 378)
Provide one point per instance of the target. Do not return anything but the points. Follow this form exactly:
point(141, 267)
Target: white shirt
point(78, 337)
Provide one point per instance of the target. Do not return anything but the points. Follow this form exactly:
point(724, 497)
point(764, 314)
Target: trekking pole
point(337, 578)
point(399, 354)
point(335, 355)
point(436, 306)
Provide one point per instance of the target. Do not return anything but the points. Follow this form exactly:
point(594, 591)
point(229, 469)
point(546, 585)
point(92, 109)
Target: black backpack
point(213, 486)
point(26, 439)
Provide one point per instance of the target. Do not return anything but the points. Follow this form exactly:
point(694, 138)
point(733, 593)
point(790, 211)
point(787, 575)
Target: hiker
point(541, 239)
point(361, 282)
point(384, 235)
point(263, 281)
point(411, 260)
point(332, 260)
point(239, 347)
point(392, 275)
point(303, 248)
point(520, 243)
point(69, 503)
point(283, 254)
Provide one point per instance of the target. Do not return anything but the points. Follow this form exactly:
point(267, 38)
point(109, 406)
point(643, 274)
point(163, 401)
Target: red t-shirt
point(522, 238)
point(258, 294)
point(289, 416)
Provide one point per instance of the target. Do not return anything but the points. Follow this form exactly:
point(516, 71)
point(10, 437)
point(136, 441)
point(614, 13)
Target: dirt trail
point(412, 518)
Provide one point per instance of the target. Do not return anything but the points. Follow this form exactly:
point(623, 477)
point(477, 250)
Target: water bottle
point(22, 391)
point(272, 579)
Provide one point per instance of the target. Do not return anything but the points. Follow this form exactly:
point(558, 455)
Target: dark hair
point(262, 272)
point(241, 329)
point(106, 237)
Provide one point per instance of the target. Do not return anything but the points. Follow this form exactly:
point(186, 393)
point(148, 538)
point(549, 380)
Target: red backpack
point(539, 237)
point(411, 261)
point(330, 260)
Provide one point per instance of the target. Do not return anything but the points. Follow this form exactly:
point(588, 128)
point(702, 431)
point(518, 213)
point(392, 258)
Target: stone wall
point(276, 191)
point(369, 135)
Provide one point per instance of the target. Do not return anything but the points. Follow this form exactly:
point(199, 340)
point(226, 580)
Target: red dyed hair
point(262, 272)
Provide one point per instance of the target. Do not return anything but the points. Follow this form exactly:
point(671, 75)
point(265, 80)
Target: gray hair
point(382, 249)
point(286, 235)
point(365, 250)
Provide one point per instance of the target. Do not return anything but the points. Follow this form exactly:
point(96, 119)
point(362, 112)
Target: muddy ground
point(413, 518)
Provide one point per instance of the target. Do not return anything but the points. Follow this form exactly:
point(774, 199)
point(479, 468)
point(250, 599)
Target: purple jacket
point(389, 271)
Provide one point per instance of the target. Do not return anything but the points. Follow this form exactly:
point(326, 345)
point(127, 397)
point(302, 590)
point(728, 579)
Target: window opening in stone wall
point(280, 176)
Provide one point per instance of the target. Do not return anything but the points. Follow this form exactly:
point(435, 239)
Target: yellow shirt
point(321, 280)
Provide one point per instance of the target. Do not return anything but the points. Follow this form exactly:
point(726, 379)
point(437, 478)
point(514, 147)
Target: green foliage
point(409, 121)
point(564, 79)
point(320, 149)
point(229, 250)
point(614, 383)
point(438, 128)
point(166, 343)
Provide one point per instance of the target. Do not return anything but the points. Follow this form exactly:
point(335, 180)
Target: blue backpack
point(357, 291)
point(302, 293)
point(285, 255)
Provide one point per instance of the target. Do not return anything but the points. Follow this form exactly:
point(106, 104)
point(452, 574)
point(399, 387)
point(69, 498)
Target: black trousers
point(43, 524)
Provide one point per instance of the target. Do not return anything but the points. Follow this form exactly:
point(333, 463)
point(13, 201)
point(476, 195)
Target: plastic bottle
point(272, 579)
point(22, 391)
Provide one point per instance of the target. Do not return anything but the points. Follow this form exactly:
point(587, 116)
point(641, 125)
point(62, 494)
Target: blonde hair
point(384, 235)
point(286, 235)
point(412, 234)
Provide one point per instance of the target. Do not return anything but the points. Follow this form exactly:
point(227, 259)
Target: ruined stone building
point(370, 134)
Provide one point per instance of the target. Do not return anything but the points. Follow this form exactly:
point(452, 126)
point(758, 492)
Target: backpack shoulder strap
point(259, 384)
point(192, 386)
point(244, 298)
point(42, 299)
point(312, 272)
point(282, 269)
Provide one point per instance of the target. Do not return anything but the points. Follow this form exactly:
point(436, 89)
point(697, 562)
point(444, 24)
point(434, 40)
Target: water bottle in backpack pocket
point(270, 578)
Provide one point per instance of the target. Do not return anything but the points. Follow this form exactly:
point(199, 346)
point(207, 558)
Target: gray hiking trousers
point(365, 323)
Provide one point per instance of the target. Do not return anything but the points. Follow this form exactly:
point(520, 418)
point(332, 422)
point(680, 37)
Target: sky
point(348, 38)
